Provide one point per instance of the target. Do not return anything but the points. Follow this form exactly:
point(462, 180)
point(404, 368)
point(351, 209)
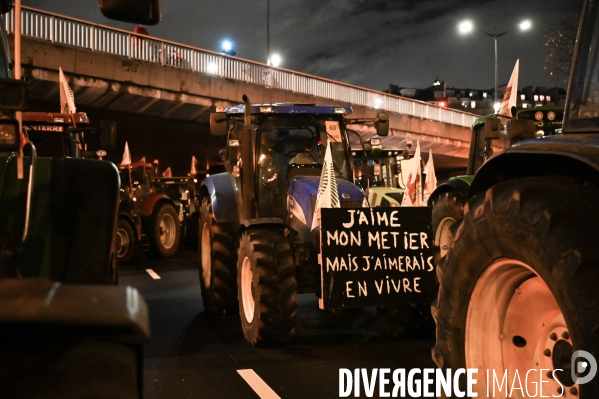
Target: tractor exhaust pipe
point(247, 162)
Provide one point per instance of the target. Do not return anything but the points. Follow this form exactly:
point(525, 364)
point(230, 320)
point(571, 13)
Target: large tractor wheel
point(163, 231)
point(125, 241)
point(267, 287)
point(218, 263)
point(447, 209)
point(518, 288)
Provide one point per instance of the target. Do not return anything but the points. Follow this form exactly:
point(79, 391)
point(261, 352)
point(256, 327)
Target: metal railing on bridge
point(63, 30)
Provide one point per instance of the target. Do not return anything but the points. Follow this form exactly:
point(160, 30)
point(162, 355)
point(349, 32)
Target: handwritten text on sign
point(377, 256)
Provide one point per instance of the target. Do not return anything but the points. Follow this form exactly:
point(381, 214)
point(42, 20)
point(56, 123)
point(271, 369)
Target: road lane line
point(258, 384)
point(152, 273)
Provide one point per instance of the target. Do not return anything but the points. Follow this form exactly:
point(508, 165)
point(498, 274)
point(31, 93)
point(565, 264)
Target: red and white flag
point(193, 170)
point(126, 155)
point(413, 194)
point(328, 194)
point(431, 179)
point(67, 98)
point(511, 95)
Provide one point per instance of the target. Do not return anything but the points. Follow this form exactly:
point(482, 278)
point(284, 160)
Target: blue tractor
point(257, 249)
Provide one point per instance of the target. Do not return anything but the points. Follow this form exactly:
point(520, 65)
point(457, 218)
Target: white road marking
point(258, 384)
point(152, 273)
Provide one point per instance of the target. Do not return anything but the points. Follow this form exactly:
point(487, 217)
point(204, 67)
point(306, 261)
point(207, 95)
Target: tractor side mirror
point(382, 124)
point(218, 124)
point(9, 135)
point(108, 134)
point(14, 95)
point(492, 129)
point(521, 129)
point(145, 12)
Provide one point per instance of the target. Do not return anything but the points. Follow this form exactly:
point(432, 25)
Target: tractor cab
point(68, 135)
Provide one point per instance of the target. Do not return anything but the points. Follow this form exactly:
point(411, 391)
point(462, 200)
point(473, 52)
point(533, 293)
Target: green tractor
point(379, 172)
point(518, 297)
point(487, 138)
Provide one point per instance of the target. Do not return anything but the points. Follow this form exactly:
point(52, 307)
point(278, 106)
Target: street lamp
point(227, 48)
point(467, 26)
point(275, 60)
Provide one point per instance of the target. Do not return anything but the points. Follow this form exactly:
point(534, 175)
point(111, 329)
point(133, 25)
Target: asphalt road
point(193, 354)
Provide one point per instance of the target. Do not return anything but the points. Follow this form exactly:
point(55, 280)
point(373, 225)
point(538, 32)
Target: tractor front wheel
point(164, 231)
point(518, 286)
point(125, 241)
point(267, 287)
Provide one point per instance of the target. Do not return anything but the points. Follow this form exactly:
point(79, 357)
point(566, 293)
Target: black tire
point(125, 241)
point(448, 208)
point(266, 277)
point(411, 321)
point(218, 263)
point(193, 224)
point(546, 223)
point(163, 231)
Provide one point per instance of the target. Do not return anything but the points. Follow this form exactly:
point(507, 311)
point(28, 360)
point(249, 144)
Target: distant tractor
point(379, 172)
point(146, 216)
point(182, 191)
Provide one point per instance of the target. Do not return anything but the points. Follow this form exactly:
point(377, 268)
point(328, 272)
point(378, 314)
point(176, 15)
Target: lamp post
point(466, 27)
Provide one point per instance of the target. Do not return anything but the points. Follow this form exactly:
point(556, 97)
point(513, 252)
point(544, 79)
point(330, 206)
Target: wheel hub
point(514, 325)
point(247, 289)
point(206, 259)
point(122, 241)
point(167, 231)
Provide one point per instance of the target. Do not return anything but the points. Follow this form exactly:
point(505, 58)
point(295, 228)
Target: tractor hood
point(303, 190)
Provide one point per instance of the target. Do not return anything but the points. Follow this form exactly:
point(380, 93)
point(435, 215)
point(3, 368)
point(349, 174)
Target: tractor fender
point(225, 197)
point(575, 155)
point(458, 184)
point(147, 206)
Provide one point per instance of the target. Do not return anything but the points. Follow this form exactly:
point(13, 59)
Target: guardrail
point(67, 31)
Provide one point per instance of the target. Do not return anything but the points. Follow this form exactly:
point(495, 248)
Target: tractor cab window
point(292, 145)
point(47, 144)
point(482, 148)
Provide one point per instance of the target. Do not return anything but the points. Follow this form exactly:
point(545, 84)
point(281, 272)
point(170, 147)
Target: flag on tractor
point(167, 172)
point(511, 95)
point(67, 98)
point(193, 170)
point(142, 160)
point(413, 194)
point(126, 155)
point(431, 179)
point(328, 194)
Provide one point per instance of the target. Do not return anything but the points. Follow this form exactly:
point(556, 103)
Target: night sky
point(370, 43)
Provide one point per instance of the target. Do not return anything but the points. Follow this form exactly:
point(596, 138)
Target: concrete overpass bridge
point(161, 93)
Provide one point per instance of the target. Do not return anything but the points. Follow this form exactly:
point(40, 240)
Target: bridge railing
point(63, 30)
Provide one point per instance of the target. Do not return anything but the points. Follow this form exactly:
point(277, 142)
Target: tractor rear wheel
point(518, 286)
point(218, 259)
point(267, 287)
point(125, 241)
point(164, 231)
point(447, 209)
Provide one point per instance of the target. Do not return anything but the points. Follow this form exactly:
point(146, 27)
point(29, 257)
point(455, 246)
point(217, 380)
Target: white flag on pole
point(167, 172)
point(67, 98)
point(193, 171)
point(328, 194)
point(511, 95)
point(126, 155)
point(142, 160)
point(431, 178)
point(413, 194)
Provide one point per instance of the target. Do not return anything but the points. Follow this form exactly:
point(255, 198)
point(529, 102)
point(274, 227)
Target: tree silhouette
point(559, 44)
